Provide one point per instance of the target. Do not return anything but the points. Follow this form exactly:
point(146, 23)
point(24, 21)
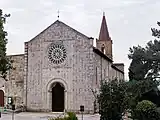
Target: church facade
point(60, 69)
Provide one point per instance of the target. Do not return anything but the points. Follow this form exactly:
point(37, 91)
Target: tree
point(113, 100)
point(5, 63)
point(156, 32)
point(145, 61)
point(145, 67)
point(137, 90)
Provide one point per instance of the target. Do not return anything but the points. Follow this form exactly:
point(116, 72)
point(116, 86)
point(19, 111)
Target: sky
point(129, 21)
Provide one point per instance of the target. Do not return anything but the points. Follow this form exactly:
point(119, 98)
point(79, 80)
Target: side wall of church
point(103, 69)
point(14, 85)
point(117, 74)
point(76, 72)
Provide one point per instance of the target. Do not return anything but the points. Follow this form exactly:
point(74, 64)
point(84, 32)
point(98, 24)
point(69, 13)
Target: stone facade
point(117, 73)
point(15, 79)
point(75, 73)
point(80, 73)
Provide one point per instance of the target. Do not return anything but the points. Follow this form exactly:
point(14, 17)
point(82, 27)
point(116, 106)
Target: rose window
point(57, 53)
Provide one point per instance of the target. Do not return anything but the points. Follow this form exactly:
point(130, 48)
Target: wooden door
point(1, 98)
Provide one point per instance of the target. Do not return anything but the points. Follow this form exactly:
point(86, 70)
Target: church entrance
point(57, 98)
point(1, 98)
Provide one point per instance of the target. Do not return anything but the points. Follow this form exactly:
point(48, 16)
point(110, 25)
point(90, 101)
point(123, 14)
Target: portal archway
point(1, 98)
point(58, 97)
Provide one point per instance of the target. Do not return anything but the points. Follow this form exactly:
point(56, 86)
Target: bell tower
point(104, 43)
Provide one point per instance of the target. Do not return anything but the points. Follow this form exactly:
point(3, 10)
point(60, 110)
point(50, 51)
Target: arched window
point(103, 48)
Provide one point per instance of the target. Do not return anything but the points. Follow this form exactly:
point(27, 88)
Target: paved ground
point(41, 116)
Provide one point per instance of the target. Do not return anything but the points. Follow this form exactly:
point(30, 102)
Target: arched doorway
point(1, 98)
point(57, 97)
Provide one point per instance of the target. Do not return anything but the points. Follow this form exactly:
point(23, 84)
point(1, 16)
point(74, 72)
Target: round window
point(57, 53)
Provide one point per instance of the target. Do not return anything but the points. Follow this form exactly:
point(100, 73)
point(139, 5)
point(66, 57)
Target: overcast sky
point(129, 21)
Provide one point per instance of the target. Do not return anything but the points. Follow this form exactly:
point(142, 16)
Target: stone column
point(49, 100)
point(25, 74)
point(65, 101)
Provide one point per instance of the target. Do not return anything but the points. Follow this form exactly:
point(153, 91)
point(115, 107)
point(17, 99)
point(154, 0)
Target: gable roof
point(59, 22)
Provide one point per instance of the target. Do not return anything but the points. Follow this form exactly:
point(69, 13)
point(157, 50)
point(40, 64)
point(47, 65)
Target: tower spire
point(104, 43)
point(104, 34)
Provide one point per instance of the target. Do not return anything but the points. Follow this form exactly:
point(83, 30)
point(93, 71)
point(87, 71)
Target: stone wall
point(117, 73)
point(2, 82)
point(15, 77)
point(120, 66)
point(81, 72)
point(105, 69)
point(107, 44)
point(75, 73)
point(102, 68)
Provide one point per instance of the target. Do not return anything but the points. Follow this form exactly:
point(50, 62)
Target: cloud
point(129, 21)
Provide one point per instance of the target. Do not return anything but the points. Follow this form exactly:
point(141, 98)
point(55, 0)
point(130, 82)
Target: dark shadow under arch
point(57, 97)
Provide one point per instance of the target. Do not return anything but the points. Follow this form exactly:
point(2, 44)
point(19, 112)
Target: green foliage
point(143, 70)
point(113, 100)
point(5, 64)
point(146, 110)
point(156, 32)
point(65, 118)
point(145, 106)
point(71, 116)
point(116, 98)
point(143, 73)
point(145, 61)
point(136, 90)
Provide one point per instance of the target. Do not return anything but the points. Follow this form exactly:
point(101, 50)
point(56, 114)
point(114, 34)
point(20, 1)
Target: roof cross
point(58, 15)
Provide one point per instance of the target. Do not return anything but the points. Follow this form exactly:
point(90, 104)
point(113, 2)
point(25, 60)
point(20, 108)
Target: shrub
point(65, 118)
point(146, 110)
point(71, 116)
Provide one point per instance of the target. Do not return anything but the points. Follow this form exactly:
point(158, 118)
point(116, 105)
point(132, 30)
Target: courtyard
point(42, 116)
